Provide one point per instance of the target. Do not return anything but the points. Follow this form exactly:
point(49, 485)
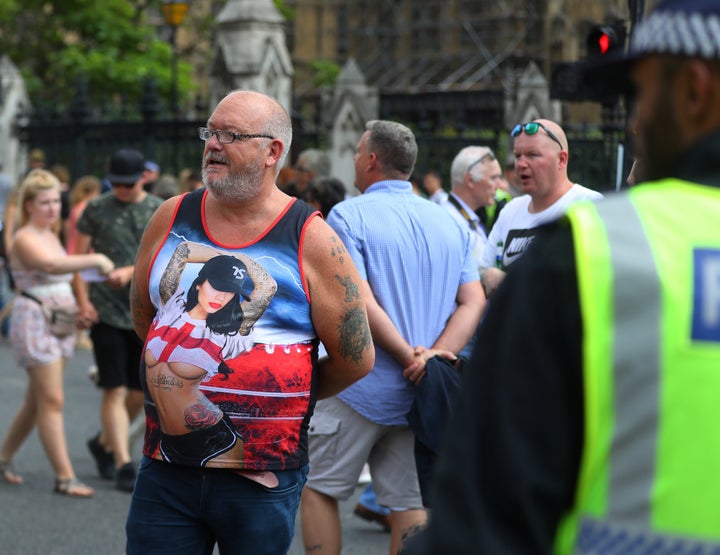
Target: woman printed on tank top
point(191, 337)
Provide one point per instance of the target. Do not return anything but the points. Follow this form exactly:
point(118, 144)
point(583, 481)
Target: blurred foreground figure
point(597, 434)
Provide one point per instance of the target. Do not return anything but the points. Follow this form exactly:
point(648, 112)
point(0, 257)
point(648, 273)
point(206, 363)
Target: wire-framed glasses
point(226, 137)
point(490, 155)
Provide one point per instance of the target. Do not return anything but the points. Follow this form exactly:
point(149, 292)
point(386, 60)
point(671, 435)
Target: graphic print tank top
point(224, 387)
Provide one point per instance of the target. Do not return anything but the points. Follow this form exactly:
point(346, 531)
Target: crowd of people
point(523, 364)
point(96, 223)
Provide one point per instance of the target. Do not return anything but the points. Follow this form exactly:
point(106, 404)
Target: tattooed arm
point(337, 309)
point(265, 288)
point(171, 276)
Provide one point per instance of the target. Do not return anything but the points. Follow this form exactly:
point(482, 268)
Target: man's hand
point(415, 372)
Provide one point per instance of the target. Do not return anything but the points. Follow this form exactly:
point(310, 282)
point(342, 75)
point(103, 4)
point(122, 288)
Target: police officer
point(588, 419)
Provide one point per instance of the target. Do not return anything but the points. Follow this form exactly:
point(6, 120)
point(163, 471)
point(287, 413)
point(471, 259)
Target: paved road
point(33, 521)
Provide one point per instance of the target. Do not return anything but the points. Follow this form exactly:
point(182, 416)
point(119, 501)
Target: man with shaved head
point(541, 162)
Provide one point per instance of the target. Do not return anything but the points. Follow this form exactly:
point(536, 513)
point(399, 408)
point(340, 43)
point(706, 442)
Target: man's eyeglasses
point(227, 137)
point(123, 185)
point(532, 128)
point(489, 156)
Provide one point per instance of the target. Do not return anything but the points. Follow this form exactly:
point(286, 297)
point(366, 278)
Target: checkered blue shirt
point(414, 255)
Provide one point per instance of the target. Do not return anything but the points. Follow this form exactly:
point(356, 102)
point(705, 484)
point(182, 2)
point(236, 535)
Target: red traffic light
point(604, 43)
point(605, 38)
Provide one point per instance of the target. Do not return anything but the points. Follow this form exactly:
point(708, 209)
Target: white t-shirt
point(515, 230)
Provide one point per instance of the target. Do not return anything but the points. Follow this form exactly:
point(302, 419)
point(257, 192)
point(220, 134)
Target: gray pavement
point(34, 521)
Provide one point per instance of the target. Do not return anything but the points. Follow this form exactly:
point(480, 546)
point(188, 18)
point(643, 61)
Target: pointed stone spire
point(250, 52)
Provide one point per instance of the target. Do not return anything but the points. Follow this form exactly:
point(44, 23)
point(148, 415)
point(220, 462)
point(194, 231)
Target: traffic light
point(577, 81)
point(605, 39)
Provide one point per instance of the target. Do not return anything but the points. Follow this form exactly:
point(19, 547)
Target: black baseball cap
point(227, 273)
point(126, 166)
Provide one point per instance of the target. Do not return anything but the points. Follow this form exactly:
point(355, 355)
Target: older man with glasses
point(541, 163)
point(229, 468)
point(475, 175)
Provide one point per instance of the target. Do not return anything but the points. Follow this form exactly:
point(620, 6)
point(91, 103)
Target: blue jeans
point(177, 510)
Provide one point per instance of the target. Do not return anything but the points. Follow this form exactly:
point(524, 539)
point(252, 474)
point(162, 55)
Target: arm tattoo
point(338, 250)
point(171, 276)
point(352, 293)
point(354, 334)
point(265, 288)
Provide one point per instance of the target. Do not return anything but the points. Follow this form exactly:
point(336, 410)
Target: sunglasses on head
point(531, 128)
point(490, 155)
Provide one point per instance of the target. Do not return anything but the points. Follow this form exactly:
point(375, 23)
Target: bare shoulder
point(329, 269)
point(323, 248)
point(25, 239)
point(141, 308)
point(21, 235)
point(157, 226)
point(332, 277)
point(164, 212)
point(154, 235)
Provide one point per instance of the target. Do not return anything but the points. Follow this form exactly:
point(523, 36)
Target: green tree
point(325, 72)
point(110, 43)
point(286, 11)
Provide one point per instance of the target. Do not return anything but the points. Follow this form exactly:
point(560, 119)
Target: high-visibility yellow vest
point(491, 210)
point(648, 266)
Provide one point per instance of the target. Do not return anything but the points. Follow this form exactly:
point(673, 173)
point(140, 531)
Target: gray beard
point(235, 187)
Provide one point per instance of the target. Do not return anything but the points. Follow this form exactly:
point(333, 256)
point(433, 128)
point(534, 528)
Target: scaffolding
point(428, 45)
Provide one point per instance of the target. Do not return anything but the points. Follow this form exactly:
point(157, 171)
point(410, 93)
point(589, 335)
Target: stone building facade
point(420, 50)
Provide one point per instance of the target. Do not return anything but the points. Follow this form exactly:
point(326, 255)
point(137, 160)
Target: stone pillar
point(532, 99)
point(250, 52)
point(14, 104)
point(351, 105)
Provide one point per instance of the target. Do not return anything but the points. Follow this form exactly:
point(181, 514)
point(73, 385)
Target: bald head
point(259, 113)
point(556, 130)
point(541, 158)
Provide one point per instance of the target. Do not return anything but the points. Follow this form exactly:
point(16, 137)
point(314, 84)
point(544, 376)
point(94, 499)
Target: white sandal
point(72, 487)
